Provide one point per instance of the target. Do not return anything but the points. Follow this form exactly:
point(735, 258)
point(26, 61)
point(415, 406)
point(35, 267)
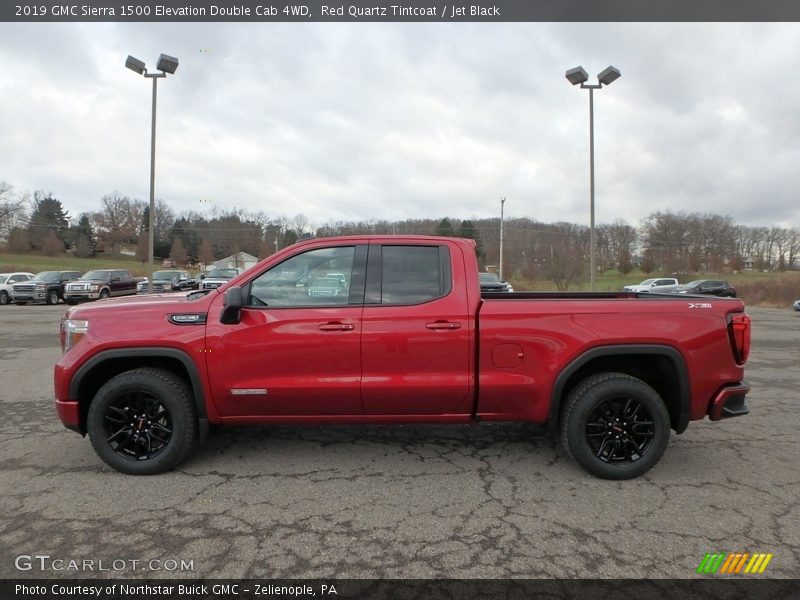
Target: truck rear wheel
point(143, 421)
point(615, 426)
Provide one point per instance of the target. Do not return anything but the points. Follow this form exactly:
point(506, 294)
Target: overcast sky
point(395, 121)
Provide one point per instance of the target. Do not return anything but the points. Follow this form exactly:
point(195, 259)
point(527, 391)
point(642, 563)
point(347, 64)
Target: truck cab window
point(315, 278)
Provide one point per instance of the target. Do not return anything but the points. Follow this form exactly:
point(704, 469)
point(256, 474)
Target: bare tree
point(13, 211)
point(178, 253)
point(118, 220)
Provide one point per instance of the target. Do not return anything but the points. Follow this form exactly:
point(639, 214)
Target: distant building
point(241, 260)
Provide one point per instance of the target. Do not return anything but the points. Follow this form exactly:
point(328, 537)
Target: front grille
point(77, 287)
point(24, 288)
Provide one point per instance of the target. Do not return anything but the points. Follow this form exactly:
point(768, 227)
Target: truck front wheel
point(615, 426)
point(143, 421)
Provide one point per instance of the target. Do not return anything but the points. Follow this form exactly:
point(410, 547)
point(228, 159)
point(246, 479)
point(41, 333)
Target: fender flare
point(172, 353)
point(674, 356)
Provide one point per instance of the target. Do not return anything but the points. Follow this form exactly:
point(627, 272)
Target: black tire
point(104, 295)
point(4, 297)
point(612, 413)
point(143, 421)
point(52, 297)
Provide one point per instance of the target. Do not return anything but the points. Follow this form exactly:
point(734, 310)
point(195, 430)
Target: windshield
point(695, 283)
point(47, 276)
point(3, 278)
point(647, 282)
point(166, 275)
point(223, 273)
point(489, 278)
point(97, 275)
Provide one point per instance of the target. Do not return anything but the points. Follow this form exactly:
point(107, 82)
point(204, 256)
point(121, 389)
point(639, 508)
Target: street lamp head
point(577, 75)
point(136, 65)
point(167, 64)
point(608, 75)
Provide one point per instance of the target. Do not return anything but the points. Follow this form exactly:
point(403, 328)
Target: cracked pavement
point(487, 501)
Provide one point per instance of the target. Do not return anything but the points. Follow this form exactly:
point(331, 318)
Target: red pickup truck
point(405, 337)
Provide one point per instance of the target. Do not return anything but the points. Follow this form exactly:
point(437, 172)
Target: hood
point(157, 303)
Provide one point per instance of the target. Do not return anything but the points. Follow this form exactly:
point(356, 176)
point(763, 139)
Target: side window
point(414, 274)
point(321, 277)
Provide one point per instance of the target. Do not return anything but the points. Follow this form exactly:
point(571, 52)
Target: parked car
point(47, 286)
point(7, 281)
point(99, 285)
point(796, 305)
point(411, 343)
point(332, 284)
point(491, 283)
point(217, 277)
point(710, 287)
point(168, 281)
point(656, 284)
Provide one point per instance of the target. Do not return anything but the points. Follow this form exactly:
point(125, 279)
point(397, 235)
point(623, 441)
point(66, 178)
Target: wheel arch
point(662, 367)
point(109, 363)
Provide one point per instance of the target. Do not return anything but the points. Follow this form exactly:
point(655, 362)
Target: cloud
point(396, 121)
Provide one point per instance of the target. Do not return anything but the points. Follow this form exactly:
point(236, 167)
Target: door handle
point(337, 326)
point(443, 325)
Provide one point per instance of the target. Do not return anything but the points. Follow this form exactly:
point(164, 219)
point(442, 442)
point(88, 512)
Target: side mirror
point(232, 311)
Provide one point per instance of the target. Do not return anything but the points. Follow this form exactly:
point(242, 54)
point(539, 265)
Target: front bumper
point(729, 402)
point(81, 295)
point(28, 297)
point(69, 413)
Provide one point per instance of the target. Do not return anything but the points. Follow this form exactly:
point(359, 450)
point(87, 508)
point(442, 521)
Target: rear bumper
point(729, 402)
point(70, 415)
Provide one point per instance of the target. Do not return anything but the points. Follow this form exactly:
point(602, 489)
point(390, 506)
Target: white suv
point(7, 281)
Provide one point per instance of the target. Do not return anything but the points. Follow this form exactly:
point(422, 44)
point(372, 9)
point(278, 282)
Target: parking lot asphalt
point(487, 501)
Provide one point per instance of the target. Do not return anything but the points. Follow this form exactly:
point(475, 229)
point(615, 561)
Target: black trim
point(372, 294)
point(179, 355)
point(358, 273)
point(682, 421)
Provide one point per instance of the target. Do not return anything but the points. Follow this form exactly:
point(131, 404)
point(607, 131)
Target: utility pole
point(502, 202)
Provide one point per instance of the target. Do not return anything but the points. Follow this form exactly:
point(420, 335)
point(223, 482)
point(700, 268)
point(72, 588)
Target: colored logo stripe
point(734, 562)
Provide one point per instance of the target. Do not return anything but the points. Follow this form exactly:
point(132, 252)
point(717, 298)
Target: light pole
point(502, 202)
point(166, 64)
point(579, 76)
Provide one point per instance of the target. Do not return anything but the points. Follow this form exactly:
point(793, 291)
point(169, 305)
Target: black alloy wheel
point(137, 425)
point(620, 430)
point(52, 297)
point(143, 421)
point(615, 426)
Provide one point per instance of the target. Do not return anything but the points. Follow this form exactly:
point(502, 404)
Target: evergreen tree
point(445, 228)
point(84, 230)
point(468, 230)
point(48, 214)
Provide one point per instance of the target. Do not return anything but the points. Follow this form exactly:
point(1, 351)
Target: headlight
point(72, 330)
point(40, 287)
point(95, 287)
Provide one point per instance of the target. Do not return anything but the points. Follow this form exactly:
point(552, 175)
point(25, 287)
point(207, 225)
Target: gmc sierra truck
point(410, 339)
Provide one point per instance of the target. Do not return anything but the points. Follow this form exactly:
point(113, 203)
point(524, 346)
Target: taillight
point(739, 332)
